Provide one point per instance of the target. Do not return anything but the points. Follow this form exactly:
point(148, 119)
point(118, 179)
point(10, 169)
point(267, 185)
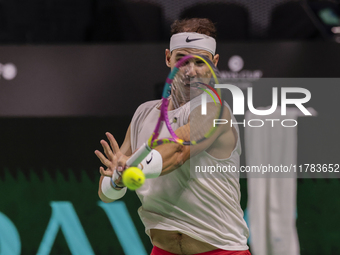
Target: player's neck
point(172, 106)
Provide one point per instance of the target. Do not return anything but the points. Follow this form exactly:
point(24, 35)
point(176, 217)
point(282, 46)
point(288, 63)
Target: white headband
point(193, 40)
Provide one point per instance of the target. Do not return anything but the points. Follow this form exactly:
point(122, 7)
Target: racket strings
point(201, 124)
point(187, 88)
point(178, 96)
point(186, 81)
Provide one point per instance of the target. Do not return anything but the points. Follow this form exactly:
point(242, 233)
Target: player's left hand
point(113, 158)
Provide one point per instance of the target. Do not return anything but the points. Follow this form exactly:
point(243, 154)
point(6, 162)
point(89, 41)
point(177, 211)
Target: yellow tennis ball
point(133, 178)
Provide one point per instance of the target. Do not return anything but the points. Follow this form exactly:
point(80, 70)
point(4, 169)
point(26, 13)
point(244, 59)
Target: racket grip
point(139, 155)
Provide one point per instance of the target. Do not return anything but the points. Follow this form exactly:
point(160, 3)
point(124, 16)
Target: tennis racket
point(180, 89)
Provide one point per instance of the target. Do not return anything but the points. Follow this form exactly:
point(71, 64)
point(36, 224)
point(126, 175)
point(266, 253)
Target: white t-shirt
point(206, 209)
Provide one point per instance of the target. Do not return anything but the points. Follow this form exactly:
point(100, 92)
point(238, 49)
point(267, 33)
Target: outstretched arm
point(175, 155)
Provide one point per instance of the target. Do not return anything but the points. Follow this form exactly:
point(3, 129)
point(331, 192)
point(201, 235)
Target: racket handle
point(139, 155)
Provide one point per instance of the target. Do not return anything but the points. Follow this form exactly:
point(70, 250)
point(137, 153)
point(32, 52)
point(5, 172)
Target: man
point(182, 215)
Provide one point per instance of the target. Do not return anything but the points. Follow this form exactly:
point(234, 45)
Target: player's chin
point(195, 92)
point(192, 86)
point(186, 88)
point(189, 91)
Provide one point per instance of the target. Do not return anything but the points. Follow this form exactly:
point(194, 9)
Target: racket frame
point(145, 149)
point(163, 118)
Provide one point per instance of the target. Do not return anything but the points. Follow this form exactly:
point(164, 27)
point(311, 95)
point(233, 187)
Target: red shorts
point(159, 251)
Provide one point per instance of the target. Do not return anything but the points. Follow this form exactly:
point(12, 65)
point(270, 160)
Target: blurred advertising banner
point(39, 81)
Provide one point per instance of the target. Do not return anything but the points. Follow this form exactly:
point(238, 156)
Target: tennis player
point(182, 215)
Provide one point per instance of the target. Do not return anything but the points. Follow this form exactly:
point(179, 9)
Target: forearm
point(173, 155)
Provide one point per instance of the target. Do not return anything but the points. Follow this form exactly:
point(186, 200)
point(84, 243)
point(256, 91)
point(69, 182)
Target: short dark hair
point(198, 25)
